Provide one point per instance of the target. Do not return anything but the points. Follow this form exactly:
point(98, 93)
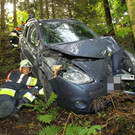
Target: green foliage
point(50, 130)
point(101, 114)
point(21, 15)
point(37, 106)
point(40, 105)
point(73, 129)
point(46, 118)
point(78, 130)
point(51, 99)
point(4, 36)
point(93, 129)
point(122, 31)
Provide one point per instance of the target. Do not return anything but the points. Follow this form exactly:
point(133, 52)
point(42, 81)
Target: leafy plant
point(46, 118)
point(40, 105)
point(78, 130)
point(51, 99)
point(73, 129)
point(50, 130)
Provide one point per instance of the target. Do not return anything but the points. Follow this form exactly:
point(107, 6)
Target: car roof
point(52, 20)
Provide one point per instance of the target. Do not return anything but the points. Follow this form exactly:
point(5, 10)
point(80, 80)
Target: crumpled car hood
point(93, 48)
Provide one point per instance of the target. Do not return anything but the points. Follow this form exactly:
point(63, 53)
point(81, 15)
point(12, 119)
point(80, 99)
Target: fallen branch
point(66, 123)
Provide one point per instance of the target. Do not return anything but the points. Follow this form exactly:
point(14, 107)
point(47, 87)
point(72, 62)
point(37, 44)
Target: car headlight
point(76, 76)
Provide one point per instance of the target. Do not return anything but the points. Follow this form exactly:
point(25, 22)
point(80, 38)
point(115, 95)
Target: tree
point(131, 11)
point(53, 13)
point(2, 15)
point(41, 9)
point(15, 16)
point(47, 10)
point(108, 17)
point(69, 8)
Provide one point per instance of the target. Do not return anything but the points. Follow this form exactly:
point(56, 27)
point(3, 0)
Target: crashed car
point(74, 62)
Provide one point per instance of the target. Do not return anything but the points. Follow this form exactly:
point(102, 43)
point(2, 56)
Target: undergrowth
point(58, 121)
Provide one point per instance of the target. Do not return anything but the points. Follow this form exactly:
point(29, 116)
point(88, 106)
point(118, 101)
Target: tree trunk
point(2, 15)
point(131, 11)
point(15, 17)
point(47, 10)
point(41, 9)
point(53, 13)
point(108, 17)
point(69, 9)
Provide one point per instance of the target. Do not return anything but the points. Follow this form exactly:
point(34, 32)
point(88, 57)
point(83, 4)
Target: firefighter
point(15, 91)
point(14, 36)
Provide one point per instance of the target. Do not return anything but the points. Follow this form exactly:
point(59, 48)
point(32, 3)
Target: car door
point(31, 48)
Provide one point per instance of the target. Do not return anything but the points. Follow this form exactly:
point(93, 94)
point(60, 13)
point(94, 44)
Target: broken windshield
point(64, 32)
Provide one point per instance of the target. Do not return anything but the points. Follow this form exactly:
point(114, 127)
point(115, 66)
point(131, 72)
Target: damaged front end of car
point(79, 77)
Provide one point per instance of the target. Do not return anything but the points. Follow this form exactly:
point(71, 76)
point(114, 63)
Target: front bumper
point(77, 98)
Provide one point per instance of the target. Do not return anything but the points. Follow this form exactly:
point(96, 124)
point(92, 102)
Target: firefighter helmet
point(25, 63)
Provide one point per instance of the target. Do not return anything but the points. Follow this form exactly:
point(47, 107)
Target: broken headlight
point(76, 76)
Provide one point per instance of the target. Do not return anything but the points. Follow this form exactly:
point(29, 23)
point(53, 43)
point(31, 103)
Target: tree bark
point(47, 10)
point(131, 11)
point(69, 9)
point(53, 13)
point(108, 17)
point(2, 15)
point(15, 16)
point(41, 9)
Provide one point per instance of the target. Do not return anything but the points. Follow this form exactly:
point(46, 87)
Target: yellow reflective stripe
point(33, 81)
point(29, 96)
point(41, 92)
point(9, 92)
point(13, 34)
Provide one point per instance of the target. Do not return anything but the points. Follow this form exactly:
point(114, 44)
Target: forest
point(114, 18)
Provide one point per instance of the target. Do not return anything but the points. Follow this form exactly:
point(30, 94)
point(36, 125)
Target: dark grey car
point(73, 61)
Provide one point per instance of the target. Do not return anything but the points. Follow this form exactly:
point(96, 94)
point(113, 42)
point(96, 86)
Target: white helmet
point(25, 63)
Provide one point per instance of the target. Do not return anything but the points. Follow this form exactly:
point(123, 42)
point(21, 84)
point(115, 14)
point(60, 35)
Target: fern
point(83, 131)
point(35, 106)
point(46, 118)
point(73, 130)
point(40, 105)
point(51, 100)
point(77, 130)
point(50, 130)
point(94, 129)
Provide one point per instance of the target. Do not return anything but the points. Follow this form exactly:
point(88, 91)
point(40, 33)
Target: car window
point(59, 32)
point(32, 36)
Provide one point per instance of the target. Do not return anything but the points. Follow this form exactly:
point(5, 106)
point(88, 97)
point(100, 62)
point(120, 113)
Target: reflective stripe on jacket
point(29, 96)
point(6, 91)
point(13, 34)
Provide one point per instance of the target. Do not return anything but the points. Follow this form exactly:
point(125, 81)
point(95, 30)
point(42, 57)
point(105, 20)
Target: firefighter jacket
point(14, 33)
point(17, 81)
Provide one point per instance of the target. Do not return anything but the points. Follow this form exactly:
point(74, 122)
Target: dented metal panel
point(92, 48)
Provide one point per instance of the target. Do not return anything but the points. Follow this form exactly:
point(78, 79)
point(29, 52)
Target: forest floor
point(117, 119)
